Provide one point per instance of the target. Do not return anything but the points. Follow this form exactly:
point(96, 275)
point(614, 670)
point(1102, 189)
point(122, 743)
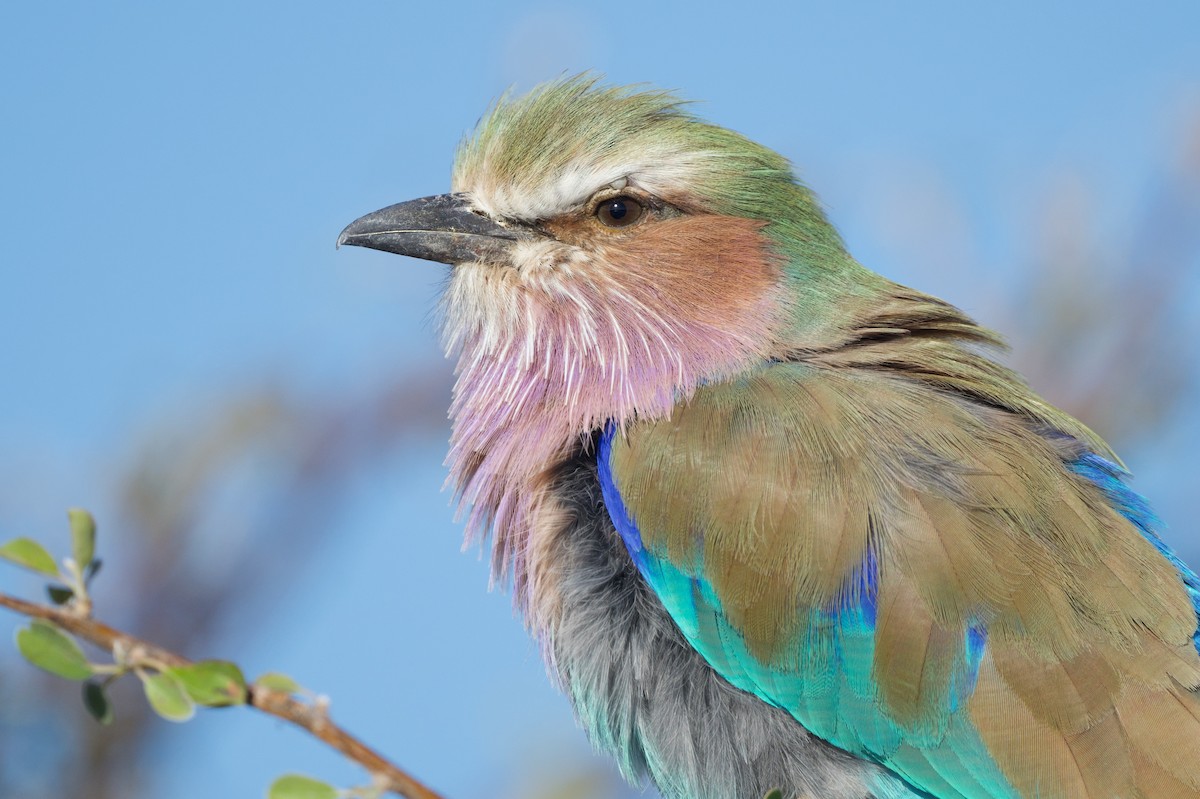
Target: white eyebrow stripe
point(530, 201)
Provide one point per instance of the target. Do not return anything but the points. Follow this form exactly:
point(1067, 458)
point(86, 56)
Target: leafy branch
point(173, 684)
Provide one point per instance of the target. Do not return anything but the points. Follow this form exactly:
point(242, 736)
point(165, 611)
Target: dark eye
point(619, 211)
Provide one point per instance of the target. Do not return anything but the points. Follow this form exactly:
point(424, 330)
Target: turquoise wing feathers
point(939, 586)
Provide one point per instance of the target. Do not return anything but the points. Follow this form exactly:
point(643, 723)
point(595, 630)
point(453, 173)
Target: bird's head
point(611, 254)
point(612, 251)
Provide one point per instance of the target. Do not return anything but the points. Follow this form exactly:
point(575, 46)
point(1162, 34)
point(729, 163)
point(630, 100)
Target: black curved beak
point(439, 228)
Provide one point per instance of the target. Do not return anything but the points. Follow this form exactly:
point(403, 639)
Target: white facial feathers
point(536, 197)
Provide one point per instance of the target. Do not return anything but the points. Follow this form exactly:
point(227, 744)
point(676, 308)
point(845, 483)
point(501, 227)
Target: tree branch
point(313, 718)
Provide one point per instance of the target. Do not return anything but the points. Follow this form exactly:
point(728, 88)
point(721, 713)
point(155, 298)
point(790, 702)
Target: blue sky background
point(173, 177)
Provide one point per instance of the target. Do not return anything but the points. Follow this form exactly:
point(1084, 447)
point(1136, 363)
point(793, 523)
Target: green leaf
point(49, 648)
point(30, 554)
point(168, 698)
point(83, 537)
point(59, 594)
point(212, 683)
point(296, 786)
point(96, 702)
point(92, 570)
point(275, 681)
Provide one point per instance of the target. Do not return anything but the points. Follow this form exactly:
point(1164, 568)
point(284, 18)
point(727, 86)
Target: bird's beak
point(439, 228)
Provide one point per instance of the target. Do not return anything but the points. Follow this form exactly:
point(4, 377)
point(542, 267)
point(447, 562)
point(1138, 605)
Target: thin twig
point(314, 719)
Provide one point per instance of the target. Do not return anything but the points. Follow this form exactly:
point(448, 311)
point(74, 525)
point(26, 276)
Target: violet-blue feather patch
point(1111, 479)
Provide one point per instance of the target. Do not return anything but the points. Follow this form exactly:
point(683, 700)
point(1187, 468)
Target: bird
point(776, 522)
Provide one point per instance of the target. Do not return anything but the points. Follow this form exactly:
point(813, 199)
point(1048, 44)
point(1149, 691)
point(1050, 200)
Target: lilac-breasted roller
point(779, 522)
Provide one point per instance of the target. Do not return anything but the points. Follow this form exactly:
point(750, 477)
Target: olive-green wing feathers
point(920, 578)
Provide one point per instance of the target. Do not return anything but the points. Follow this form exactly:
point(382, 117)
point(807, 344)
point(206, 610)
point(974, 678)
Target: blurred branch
point(314, 718)
point(220, 509)
point(1101, 325)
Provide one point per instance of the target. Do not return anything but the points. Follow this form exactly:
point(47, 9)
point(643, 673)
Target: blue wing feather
point(829, 686)
point(1110, 478)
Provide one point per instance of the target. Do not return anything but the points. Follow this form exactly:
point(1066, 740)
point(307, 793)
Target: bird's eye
point(619, 211)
